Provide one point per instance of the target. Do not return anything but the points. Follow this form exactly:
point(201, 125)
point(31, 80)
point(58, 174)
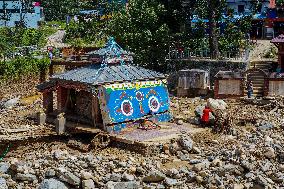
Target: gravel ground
point(251, 157)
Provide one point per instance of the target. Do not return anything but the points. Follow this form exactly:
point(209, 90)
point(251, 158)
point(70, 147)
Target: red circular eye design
point(139, 96)
point(126, 108)
point(154, 104)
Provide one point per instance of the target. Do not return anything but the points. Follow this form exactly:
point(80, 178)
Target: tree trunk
point(213, 33)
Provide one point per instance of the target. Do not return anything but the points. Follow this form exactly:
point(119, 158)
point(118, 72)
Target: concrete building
point(13, 13)
point(247, 6)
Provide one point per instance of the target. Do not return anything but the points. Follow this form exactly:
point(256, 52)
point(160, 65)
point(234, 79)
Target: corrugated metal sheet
point(94, 75)
point(279, 39)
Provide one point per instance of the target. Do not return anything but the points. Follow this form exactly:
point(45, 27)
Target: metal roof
point(279, 39)
point(96, 75)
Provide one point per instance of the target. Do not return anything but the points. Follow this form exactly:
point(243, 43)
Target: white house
point(14, 12)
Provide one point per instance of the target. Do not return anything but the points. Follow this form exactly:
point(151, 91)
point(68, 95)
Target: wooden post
point(96, 114)
point(61, 98)
point(50, 70)
point(48, 101)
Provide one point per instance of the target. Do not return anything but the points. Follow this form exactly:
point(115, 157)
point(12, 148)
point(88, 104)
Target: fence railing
point(176, 54)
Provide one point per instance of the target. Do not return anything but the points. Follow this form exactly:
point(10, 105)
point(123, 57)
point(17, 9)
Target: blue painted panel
point(117, 128)
point(132, 104)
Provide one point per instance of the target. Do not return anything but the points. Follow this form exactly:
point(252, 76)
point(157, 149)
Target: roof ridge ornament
point(112, 46)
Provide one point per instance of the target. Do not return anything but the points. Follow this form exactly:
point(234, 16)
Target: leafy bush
point(22, 66)
point(271, 53)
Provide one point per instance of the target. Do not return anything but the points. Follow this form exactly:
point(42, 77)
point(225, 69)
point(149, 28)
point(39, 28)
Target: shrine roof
point(279, 39)
point(94, 75)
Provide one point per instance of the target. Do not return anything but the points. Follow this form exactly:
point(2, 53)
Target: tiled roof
point(95, 75)
point(279, 39)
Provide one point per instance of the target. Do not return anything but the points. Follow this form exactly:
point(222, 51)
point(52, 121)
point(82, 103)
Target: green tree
point(58, 10)
point(142, 31)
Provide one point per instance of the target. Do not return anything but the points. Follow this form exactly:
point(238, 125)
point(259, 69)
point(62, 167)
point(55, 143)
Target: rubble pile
point(248, 159)
point(243, 113)
point(251, 157)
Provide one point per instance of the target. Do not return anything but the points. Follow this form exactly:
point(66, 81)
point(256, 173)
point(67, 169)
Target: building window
point(17, 23)
point(29, 10)
point(13, 10)
point(259, 8)
point(241, 8)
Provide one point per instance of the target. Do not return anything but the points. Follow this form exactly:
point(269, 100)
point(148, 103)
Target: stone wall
point(209, 65)
point(84, 104)
point(228, 88)
point(275, 87)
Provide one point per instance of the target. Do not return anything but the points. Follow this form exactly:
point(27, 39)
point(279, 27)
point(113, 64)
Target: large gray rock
point(3, 184)
point(186, 143)
point(26, 177)
point(68, 177)
point(127, 177)
point(215, 104)
point(52, 184)
point(270, 153)
point(115, 177)
point(10, 103)
point(199, 110)
point(170, 182)
point(154, 176)
point(121, 185)
point(265, 125)
point(4, 168)
point(88, 184)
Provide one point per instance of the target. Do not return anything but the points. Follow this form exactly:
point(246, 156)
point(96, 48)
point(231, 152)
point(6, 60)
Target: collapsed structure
point(193, 82)
point(110, 95)
point(270, 81)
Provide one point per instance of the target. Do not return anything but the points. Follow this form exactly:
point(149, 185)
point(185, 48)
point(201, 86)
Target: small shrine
point(110, 95)
point(279, 43)
point(228, 84)
point(193, 82)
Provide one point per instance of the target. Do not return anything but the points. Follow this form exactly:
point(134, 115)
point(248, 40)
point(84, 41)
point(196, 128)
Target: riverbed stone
point(26, 177)
point(52, 184)
point(68, 177)
point(3, 183)
point(4, 167)
point(154, 176)
point(88, 184)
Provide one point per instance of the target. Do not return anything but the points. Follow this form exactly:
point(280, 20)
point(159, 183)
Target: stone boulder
point(154, 176)
point(88, 184)
point(52, 184)
point(215, 104)
point(3, 184)
point(26, 177)
point(121, 185)
point(186, 143)
point(68, 177)
point(266, 125)
point(10, 103)
point(4, 167)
